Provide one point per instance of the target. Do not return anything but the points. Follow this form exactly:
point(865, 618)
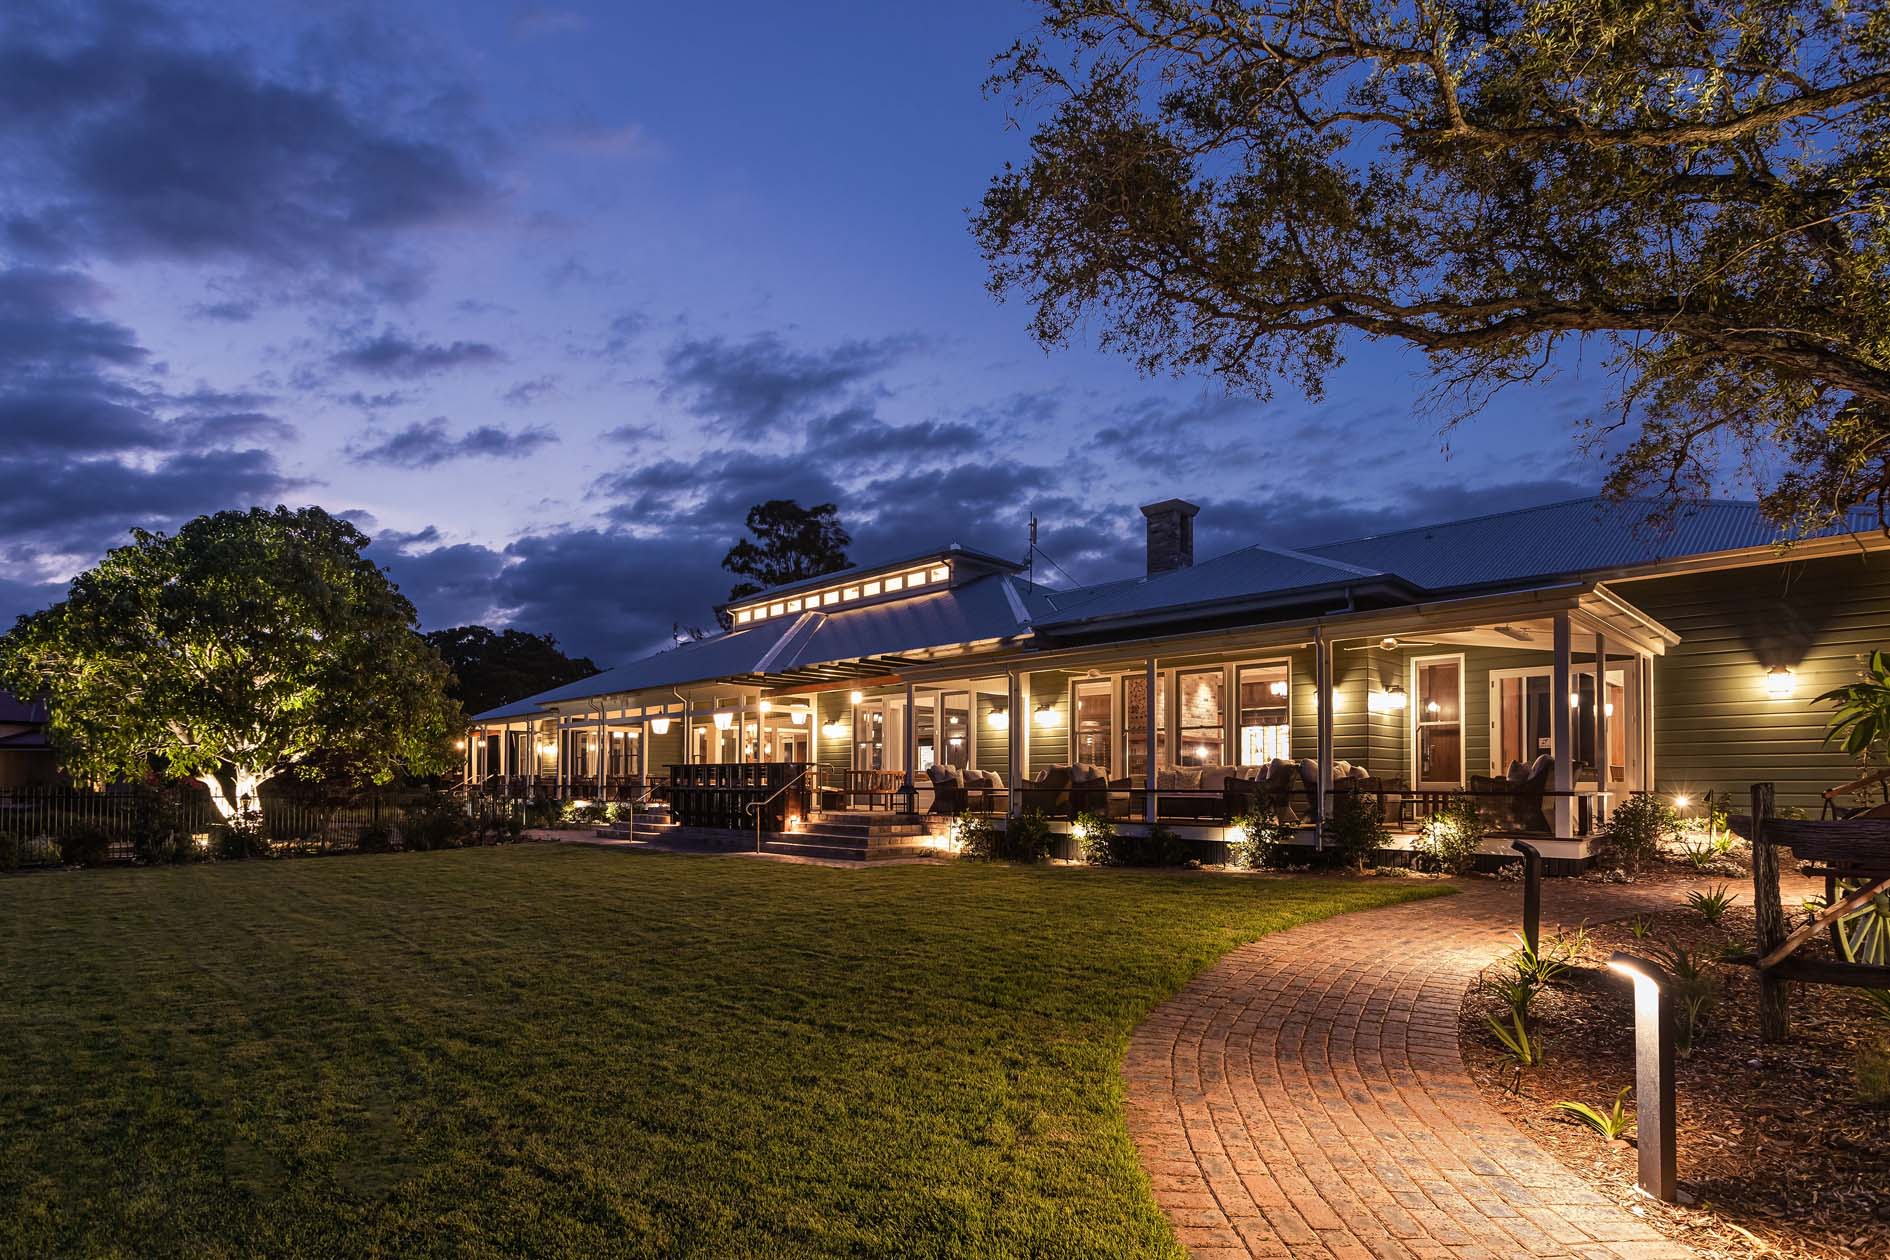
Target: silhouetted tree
point(495, 667)
point(790, 544)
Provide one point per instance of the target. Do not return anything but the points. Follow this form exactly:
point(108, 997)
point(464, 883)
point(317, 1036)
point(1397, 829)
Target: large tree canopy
point(491, 668)
point(246, 646)
point(789, 543)
point(1235, 187)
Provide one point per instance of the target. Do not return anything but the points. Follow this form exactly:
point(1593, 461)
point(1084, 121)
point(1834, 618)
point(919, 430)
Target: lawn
point(555, 1051)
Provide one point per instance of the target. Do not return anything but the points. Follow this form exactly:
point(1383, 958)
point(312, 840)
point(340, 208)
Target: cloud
point(752, 387)
point(132, 143)
point(524, 393)
point(426, 444)
point(394, 354)
point(535, 21)
point(633, 434)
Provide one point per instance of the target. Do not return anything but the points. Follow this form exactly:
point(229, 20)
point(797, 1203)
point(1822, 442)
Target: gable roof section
point(982, 560)
point(1593, 535)
point(1257, 573)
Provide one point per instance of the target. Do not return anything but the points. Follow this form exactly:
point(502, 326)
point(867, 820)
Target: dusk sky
point(546, 298)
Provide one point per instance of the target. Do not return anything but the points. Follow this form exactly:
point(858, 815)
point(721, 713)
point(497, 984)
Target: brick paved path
point(1305, 1097)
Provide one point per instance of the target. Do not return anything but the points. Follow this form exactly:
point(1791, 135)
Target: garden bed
point(1777, 1153)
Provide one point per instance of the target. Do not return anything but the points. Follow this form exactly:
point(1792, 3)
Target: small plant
point(239, 838)
point(1515, 1039)
point(1028, 838)
point(375, 837)
point(1158, 846)
point(9, 851)
point(1611, 1124)
point(1262, 843)
point(1871, 1067)
point(1095, 838)
point(1694, 988)
point(1552, 956)
point(1712, 903)
point(1641, 927)
point(975, 837)
point(1703, 853)
point(436, 823)
point(84, 844)
point(1637, 830)
point(1517, 991)
point(1451, 838)
point(1356, 830)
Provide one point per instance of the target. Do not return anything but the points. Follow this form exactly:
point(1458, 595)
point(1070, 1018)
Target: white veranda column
point(1013, 706)
point(1603, 769)
point(1561, 729)
point(1150, 804)
point(912, 743)
point(1322, 679)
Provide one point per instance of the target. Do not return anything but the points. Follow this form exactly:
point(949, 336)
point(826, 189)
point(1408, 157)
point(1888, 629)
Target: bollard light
point(1653, 1075)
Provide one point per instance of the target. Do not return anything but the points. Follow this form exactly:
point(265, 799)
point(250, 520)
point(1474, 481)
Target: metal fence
point(133, 821)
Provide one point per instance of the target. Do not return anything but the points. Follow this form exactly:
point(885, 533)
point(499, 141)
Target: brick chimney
point(1170, 535)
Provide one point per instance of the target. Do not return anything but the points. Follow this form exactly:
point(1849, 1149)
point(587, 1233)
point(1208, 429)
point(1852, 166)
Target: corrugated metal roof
point(1249, 573)
point(1559, 540)
point(13, 709)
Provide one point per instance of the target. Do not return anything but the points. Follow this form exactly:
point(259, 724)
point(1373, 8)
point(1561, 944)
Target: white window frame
point(1416, 708)
point(1617, 674)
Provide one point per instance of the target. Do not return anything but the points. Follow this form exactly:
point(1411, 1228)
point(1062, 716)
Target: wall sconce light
point(799, 717)
point(836, 729)
point(547, 749)
point(1046, 715)
point(659, 726)
point(767, 706)
point(460, 744)
point(1608, 708)
point(1574, 699)
point(999, 719)
point(723, 719)
point(1779, 683)
point(856, 696)
point(1395, 699)
point(1653, 1076)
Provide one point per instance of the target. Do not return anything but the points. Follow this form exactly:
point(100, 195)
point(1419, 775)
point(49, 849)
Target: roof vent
point(1170, 535)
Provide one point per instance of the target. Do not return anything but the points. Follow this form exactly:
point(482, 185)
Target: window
point(895, 583)
point(940, 573)
point(1265, 713)
point(1201, 694)
point(775, 610)
point(958, 733)
point(869, 738)
point(744, 617)
point(1523, 730)
point(851, 592)
point(1439, 721)
point(870, 588)
point(831, 597)
point(1135, 725)
point(916, 579)
point(1093, 731)
point(794, 605)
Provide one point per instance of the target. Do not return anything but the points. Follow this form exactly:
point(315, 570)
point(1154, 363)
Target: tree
point(790, 544)
point(247, 646)
point(1238, 188)
point(491, 668)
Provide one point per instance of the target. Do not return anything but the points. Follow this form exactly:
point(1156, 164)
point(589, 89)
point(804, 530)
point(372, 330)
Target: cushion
point(1518, 772)
point(1187, 778)
point(992, 779)
point(1082, 774)
point(1341, 769)
point(1055, 778)
point(1542, 766)
point(977, 778)
point(1166, 780)
point(1309, 771)
point(945, 776)
point(1360, 772)
point(1214, 778)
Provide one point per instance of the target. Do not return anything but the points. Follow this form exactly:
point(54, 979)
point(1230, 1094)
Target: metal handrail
point(755, 807)
point(648, 789)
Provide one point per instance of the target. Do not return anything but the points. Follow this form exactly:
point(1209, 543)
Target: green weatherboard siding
point(566, 1052)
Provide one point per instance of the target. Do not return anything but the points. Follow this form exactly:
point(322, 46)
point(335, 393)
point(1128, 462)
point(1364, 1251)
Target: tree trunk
point(241, 795)
point(1774, 1014)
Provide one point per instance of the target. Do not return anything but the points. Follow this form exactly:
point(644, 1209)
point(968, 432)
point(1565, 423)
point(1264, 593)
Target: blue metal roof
point(1559, 540)
point(1250, 573)
point(954, 552)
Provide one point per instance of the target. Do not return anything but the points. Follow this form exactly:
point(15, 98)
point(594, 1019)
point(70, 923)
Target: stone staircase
point(857, 837)
point(653, 823)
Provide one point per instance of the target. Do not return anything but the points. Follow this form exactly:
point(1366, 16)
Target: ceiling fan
point(1391, 643)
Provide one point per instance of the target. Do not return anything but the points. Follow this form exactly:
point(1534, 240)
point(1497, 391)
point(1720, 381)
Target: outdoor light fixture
point(1574, 699)
point(1682, 801)
point(857, 696)
point(659, 726)
point(1278, 689)
point(1395, 699)
point(460, 744)
point(546, 750)
point(836, 729)
point(799, 717)
point(1433, 708)
point(1046, 715)
point(1779, 683)
point(1653, 1075)
point(723, 719)
point(999, 719)
point(767, 706)
point(1608, 708)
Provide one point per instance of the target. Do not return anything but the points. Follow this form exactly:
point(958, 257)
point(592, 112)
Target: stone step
point(874, 834)
point(831, 850)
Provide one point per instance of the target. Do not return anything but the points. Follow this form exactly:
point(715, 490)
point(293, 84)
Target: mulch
point(1776, 1151)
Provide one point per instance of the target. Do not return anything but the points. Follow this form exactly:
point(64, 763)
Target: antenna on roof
point(1030, 557)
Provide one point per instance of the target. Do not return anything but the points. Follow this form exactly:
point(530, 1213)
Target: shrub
point(437, 823)
point(584, 814)
point(1871, 1066)
point(158, 835)
point(1095, 837)
point(1356, 830)
point(83, 844)
point(242, 837)
point(1712, 903)
point(1633, 835)
point(1027, 838)
point(541, 814)
point(375, 837)
point(1611, 1124)
point(1450, 839)
point(1264, 843)
point(1157, 847)
point(9, 852)
point(977, 839)
point(1694, 989)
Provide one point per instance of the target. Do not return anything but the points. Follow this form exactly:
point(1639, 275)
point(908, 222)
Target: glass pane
point(1437, 692)
point(869, 735)
point(1265, 718)
point(1095, 723)
point(924, 737)
point(1135, 725)
point(1203, 720)
point(958, 730)
point(1442, 754)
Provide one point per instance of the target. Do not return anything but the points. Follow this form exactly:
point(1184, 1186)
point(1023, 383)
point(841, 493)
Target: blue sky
point(545, 298)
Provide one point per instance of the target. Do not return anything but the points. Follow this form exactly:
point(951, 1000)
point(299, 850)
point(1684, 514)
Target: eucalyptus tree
point(244, 647)
point(1696, 189)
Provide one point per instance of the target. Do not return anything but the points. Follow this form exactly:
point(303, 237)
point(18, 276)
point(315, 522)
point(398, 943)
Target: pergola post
point(688, 734)
point(1012, 706)
point(1149, 802)
point(1561, 729)
point(1603, 753)
point(1322, 681)
point(603, 755)
point(1021, 722)
point(911, 734)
